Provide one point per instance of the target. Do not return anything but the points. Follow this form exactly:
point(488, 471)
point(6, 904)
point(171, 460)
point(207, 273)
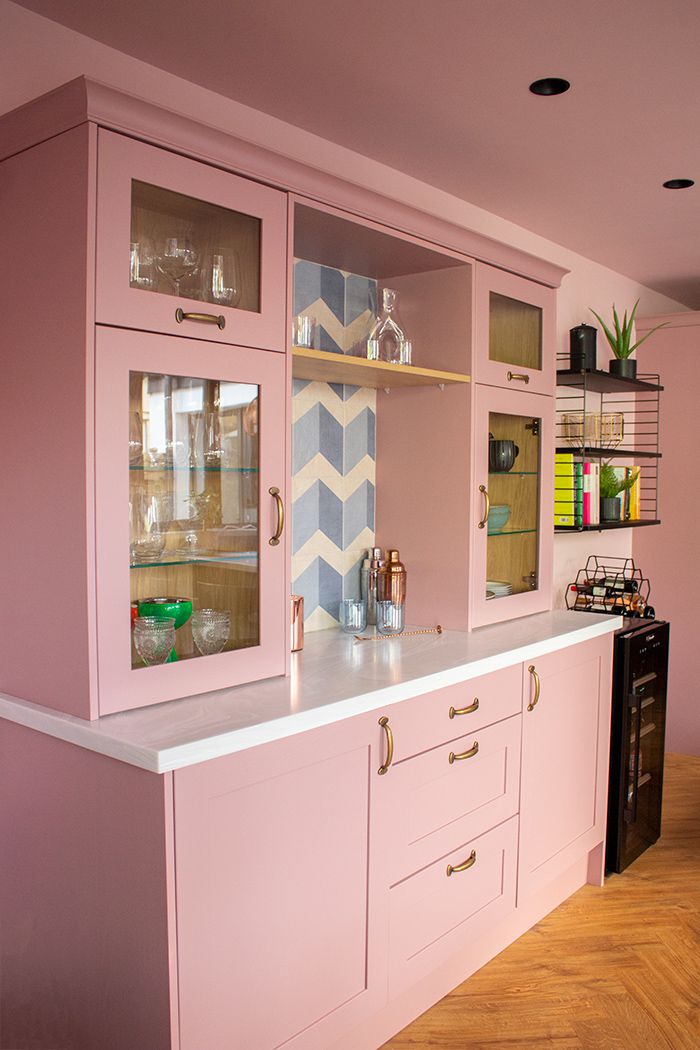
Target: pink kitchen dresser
point(249, 849)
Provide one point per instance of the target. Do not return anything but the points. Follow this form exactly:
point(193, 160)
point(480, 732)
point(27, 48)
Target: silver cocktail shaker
point(368, 581)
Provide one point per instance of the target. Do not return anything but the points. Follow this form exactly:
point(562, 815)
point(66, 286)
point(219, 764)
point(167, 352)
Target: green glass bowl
point(179, 608)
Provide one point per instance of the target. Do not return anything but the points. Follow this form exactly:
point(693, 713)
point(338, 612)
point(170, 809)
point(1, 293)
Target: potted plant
point(621, 342)
point(611, 485)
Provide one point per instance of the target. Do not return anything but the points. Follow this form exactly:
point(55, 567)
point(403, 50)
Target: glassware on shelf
point(178, 610)
point(154, 638)
point(222, 279)
point(135, 439)
point(406, 357)
point(177, 259)
point(390, 617)
point(210, 630)
point(141, 265)
point(304, 330)
point(148, 523)
point(387, 338)
point(353, 615)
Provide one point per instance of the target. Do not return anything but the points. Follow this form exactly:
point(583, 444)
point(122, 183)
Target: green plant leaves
point(621, 340)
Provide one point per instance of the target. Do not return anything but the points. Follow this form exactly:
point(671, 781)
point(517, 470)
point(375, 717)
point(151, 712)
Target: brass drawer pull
point(536, 679)
point(275, 493)
point(518, 375)
point(487, 505)
point(455, 711)
point(218, 319)
point(468, 863)
point(473, 750)
point(384, 723)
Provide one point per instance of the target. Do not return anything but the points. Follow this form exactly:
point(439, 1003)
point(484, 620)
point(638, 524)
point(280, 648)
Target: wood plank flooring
point(611, 969)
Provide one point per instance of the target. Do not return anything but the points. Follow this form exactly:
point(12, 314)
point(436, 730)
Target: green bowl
point(179, 608)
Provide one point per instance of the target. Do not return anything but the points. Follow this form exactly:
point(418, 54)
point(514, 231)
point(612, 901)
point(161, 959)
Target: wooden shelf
point(324, 367)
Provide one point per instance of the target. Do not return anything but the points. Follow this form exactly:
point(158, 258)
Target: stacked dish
point(498, 589)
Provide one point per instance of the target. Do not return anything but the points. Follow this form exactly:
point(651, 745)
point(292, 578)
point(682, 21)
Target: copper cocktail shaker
point(296, 622)
point(391, 580)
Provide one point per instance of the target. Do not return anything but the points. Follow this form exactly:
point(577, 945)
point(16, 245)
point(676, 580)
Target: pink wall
point(668, 555)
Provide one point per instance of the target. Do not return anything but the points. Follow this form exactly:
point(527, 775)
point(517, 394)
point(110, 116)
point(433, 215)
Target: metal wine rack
point(610, 585)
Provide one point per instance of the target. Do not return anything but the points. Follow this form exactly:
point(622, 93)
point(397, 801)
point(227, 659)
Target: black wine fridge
point(640, 673)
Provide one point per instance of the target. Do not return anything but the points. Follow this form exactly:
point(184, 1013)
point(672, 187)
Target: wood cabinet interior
point(512, 552)
point(515, 332)
point(159, 215)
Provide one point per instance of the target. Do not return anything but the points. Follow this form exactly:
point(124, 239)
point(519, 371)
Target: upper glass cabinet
point(515, 332)
point(188, 249)
point(191, 564)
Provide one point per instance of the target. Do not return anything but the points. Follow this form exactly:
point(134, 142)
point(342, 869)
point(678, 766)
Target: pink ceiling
point(438, 89)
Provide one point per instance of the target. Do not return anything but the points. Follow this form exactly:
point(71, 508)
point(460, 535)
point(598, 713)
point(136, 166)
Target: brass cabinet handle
point(473, 750)
point(536, 679)
point(468, 863)
point(487, 505)
point(218, 319)
point(384, 723)
point(275, 493)
point(518, 375)
point(454, 711)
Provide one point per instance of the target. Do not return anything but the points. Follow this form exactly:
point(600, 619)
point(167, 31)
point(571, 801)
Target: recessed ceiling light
point(678, 184)
point(549, 86)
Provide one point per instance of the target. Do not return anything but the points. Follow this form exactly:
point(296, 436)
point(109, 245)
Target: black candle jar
point(582, 348)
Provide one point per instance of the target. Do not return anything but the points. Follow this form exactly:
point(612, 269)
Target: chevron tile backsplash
point(333, 449)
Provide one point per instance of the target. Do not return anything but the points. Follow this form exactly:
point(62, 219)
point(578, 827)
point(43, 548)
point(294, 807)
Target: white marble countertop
point(332, 678)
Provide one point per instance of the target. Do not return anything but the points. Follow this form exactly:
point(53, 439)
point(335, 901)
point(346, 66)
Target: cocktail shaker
point(391, 580)
point(296, 626)
point(368, 581)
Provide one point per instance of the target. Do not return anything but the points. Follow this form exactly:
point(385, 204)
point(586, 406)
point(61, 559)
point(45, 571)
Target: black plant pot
point(610, 508)
point(624, 368)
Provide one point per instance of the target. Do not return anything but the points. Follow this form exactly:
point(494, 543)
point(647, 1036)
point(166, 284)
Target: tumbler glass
point(210, 630)
point(390, 617)
point(353, 615)
point(154, 638)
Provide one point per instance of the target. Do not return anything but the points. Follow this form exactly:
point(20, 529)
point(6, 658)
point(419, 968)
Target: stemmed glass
point(176, 260)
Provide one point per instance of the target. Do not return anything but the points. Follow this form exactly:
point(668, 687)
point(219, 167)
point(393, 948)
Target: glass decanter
point(386, 340)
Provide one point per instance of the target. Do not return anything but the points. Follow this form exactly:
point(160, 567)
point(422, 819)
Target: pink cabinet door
point(515, 330)
point(176, 237)
point(275, 894)
point(566, 728)
point(190, 443)
point(511, 505)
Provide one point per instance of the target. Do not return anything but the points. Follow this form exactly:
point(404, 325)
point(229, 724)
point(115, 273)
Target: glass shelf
point(245, 559)
point(511, 532)
point(194, 469)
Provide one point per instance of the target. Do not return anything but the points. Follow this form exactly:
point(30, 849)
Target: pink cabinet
point(515, 330)
point(187, 249)
point(190, 479)
point(566, 727)
point(277, 901)
point(511, 505)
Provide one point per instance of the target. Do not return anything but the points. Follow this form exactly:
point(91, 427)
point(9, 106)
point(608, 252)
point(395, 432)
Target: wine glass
point(176, 260)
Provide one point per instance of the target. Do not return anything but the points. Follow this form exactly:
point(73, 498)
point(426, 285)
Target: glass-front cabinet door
point(515, 332)
point(189, 494)
point(512, 506)
point(186, 248)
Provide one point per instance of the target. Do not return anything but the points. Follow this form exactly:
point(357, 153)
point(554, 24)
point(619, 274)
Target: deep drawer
point(434, 915)
point(423, 722)
point(435, 802)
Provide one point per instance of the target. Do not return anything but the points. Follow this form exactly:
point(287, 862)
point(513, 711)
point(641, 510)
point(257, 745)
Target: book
point(564, 489)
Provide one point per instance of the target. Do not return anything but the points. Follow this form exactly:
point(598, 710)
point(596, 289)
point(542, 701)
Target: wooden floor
point(611, 969)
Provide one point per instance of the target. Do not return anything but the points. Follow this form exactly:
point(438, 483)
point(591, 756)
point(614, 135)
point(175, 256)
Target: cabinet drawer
point(425, 721)
point(435, 801)
point(433, 915)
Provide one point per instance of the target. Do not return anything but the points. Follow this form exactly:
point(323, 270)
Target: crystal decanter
point(386, 340)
